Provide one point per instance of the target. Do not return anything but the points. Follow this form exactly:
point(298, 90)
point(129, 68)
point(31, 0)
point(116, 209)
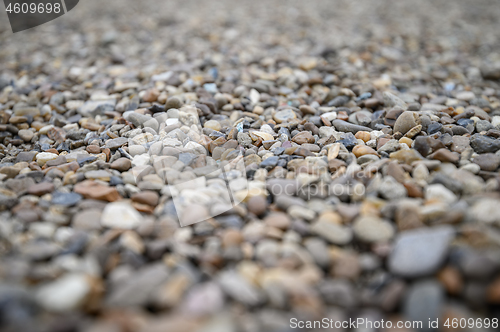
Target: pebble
point(372, 230)
point(25, 134)
point(257, 205)
point(420, 252)
point(121, 164)
point(120, 215)
point(406, 121)
point(67, 293)
point(424, 303)
point(284, 116)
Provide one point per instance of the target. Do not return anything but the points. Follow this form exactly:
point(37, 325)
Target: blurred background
point(426, 40)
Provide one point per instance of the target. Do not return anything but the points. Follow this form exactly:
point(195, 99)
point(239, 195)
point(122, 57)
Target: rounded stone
point(257, 205)
point(212, 124)
point(284, 115)
point(25, 134)
point(371, 229)
point(406, 121)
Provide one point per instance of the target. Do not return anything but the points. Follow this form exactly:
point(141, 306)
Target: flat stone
point(345, 126)
point(146, 197)
point(121, 164)
point(120, 215)
point(239, 289)
point(487, 162)
point(26, 156)
point(284, 115)
point(87, 220)
point(94, 190)
point(41, 188)
point(484, 144)
point(43, 157)
point(441, 193)
point(332, 232)
point(420, 252)
point(370, 229)
point(116, 143)
point(445, 155)
point(303, 137)
point(66, 199)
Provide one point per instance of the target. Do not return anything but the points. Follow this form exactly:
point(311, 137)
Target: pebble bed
point(362, 146)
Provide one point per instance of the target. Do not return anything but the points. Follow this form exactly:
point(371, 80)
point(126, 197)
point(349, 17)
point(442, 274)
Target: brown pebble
point(451, 279)
point(363, 135)
point(52, 151)
point(41, 188)
point(445, 155)
point(278, 219)
point(146, 197)
point(94, 149)
point(361, 150)
point(121, 164)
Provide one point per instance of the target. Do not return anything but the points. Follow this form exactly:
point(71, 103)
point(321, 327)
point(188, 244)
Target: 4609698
point(33, 8)
point(471, 323)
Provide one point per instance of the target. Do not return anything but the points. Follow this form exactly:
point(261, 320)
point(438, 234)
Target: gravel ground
point(368, 135)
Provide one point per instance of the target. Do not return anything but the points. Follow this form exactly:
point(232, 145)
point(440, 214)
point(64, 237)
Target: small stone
point(41, 188)
point(424, 303)
point(43, 157)
point(212, 124)
point(345, 127)
point(406, 121)
point(303, 137)
point(484, 144)
point(332, 232)
point(146, 197)
point(121, 164)
point(26, 135)
point(361, 150)
point(420, 252)
point(239, 289)
point(195, 213)
point(94, 149)
point(459, 143)
point(66, 199)
point(391, 189)
point(392, 100)
point(87, 220)
point(284, 115)
point(257, 205)
point(371, 229)
point(445, 155)
point(26, 156)
point(363, 135)
point(440, 193)
point(451, 279)
point(94, 190)
point(120, 215)
point(135, 150)
point(116, 143)
point(67, 293)
point(488, 161)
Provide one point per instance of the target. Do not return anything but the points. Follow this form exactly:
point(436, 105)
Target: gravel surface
point(362, 139)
